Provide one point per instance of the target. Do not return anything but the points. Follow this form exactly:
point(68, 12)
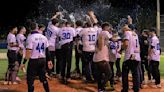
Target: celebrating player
point(36, 49)
point(129, 61)
point(154, 57)
point(66, 35)
point(101, 58)
point(13, 65)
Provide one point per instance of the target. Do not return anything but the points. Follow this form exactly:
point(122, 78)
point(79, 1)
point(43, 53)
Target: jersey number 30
point(66, 36)
point(40, 47)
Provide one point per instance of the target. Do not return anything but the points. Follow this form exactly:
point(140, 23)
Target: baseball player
point(21, 39)
point(118, 57)
point(51, 33)
point(144, 43)
point(36, 50)
point(89, 37)
point(129, 61)
point(13, 65)
point(58, 51)
point(41, 28)
point(154, 57)
point(66, 35)
point(137, 52)
point(101, 58)
point(78, 46)
point(113, 49)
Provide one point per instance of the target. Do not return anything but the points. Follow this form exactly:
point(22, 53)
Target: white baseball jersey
point(103, 55)
point(38, 44)
point(99, 29)
point(155, 46)
point(130, 49)
point(66, 35)
point(11, 39)
point(78, 30)
point(21, 40)
point(136, 47)
point(57, 45)
point(89, 38)
point(51, 34)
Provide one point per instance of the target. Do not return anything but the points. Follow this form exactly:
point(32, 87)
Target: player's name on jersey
point(38, 39)
point(91, 43)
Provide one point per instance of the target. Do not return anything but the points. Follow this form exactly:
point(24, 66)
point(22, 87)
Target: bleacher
point(3, 44)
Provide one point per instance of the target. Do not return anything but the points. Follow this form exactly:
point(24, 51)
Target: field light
point(158, 18)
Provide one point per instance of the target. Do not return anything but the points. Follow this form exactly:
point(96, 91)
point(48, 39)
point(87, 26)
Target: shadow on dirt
point(80, 85)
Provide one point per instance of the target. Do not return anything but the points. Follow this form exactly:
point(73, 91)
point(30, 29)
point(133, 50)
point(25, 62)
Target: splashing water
point(73, 10)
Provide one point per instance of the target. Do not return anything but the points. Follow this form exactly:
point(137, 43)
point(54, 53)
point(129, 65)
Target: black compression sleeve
point(48, 56)
point(24, 61)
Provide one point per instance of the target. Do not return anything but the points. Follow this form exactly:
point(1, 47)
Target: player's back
point(11, 38)
point(155, 55)
point(66, 35)
point(38, 44)
point(51, 33)
point(102, 54)
point(89, 38)
point(130, 49)
point(21, 40)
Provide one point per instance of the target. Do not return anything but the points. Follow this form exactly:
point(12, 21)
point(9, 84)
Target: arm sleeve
point(126, 36)
point(48, 56)
point(29, 42)
point(119, 45)
point(12, 39)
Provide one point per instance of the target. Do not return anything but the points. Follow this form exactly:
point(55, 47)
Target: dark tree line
point(19, 11)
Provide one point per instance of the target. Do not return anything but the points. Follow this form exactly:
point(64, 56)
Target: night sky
point(15, 11)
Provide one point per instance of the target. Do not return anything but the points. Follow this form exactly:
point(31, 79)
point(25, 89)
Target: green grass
point(3, 50)
point(4, 63)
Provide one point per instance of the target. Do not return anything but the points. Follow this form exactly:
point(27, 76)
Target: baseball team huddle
point(49, 49)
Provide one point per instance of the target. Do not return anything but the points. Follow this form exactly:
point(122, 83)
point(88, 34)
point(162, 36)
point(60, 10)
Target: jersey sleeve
point(47, 43)
point(153, 43)
point(12, 39)
point(126, 36)
point(29, 42)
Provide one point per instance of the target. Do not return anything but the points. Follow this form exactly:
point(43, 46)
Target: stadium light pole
point(158, 18)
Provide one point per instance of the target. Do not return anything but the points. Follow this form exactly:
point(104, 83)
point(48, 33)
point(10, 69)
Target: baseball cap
point(131, 26)
point(152, 29)
point(144, 30)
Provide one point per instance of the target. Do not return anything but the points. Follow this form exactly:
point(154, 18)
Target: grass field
point(4, 63)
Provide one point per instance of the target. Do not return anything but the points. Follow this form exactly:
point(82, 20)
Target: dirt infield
point(73, 86)
point(3, 56)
